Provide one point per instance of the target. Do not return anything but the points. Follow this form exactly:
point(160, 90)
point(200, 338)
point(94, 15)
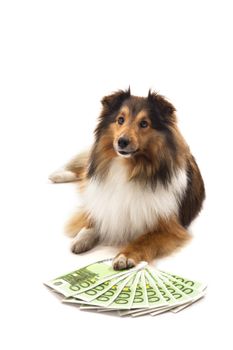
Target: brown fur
point(164, 240)
point(77, 222)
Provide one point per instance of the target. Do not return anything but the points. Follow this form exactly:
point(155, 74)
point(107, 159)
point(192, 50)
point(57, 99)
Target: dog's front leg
point(168, 236)
point(85, 240)
point(81, 227)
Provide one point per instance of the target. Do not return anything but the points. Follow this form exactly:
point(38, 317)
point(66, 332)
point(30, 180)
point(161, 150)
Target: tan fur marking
point(124, 111)
point(76, 223)
point(168, 236)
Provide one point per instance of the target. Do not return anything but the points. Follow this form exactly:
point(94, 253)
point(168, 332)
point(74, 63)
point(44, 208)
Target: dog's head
point(134, 123)
point(141, 129)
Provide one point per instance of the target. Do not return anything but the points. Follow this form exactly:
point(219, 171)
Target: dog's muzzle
point(124, 148)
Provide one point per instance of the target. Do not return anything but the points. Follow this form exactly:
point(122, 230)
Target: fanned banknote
point(88, 277)
point(138, 291)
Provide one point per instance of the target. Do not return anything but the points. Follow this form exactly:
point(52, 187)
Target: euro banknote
point(88, 277)
point(137, 291)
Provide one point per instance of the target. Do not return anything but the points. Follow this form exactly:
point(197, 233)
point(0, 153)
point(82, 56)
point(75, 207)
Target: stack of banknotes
point(138, 291)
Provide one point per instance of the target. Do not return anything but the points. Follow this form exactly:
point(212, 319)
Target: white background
point(58, 58)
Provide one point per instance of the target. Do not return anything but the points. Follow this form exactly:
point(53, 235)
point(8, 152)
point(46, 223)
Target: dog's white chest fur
point(122, 210)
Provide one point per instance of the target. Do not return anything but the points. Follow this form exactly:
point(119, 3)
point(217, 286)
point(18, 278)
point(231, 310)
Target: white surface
point(58, 58)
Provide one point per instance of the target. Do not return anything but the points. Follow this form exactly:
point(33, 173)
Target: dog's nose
point(123, 142)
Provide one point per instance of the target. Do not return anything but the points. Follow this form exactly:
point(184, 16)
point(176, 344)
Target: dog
point(140, 184)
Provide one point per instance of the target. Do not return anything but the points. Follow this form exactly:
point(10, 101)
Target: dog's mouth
point(126, 154)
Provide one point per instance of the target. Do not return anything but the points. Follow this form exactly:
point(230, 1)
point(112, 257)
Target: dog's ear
point(113, 102)
point(163, 110)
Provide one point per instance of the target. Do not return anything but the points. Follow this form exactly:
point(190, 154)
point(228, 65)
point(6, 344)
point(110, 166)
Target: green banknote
point(137, 291)
point(149, 297)
point(161, 298)
point(87, 277)
point(125, 299)
point(176, 293)
point(107, 298)
point(184, 288)
point(140, 297)
point(171, 294)
point(185, 281)
point(157, 284)
point(102, 288)
point(159, 310)
point(155, 297)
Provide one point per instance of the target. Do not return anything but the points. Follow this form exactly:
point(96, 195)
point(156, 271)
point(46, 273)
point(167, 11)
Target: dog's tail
point(74, 170)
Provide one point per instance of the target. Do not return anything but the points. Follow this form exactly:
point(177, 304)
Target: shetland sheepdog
point(140, 184)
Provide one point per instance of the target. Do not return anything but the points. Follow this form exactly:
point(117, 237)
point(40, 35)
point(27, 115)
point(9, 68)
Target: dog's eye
point(121, 120)
point(143, 124)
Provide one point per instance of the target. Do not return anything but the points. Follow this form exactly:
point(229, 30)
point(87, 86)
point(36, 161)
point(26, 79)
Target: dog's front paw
point(80, 246)
point(85, 240)
point(122, 261)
